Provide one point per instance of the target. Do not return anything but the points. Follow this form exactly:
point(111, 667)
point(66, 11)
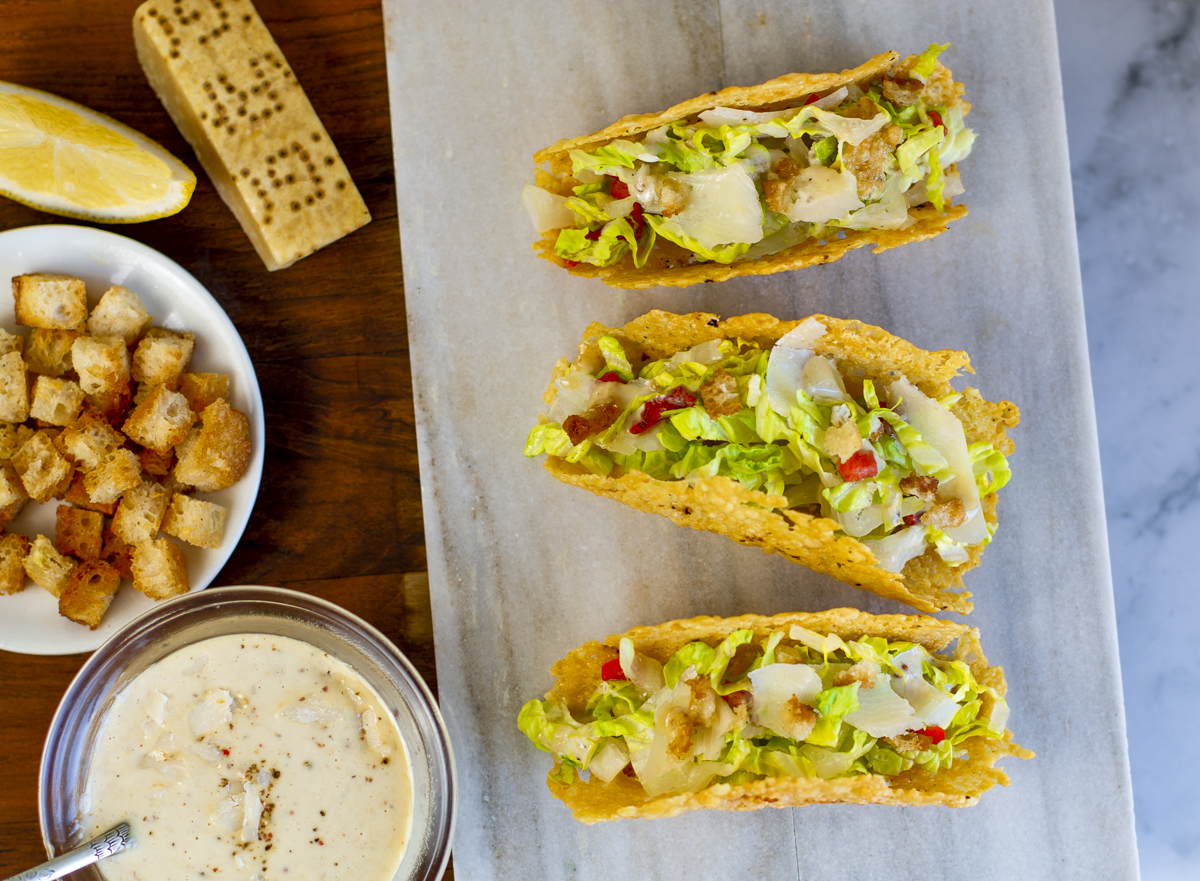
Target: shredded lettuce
point(816, 134)
point(622, 722)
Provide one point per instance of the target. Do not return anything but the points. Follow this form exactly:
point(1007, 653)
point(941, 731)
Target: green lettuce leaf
point(990, 467)
point(670, 230)
point(614, 357)
point(832, 704)
point(926, 61)
point(619, 153)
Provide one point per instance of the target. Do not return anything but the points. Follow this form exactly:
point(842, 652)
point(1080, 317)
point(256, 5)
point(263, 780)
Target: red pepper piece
point(859, 466)
point(618, 188)
point(636, 218)
point(594, 235)
point(736, 699)
point(570, 263)
point(811, 99)
point(611, 376)
point(936, 118)
point(913, 519)
point(612, 670)
point(676, 399)
point(937, 735)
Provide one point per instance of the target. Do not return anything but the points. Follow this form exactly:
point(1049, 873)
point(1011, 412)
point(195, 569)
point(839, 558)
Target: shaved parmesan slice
point(547, 210)
point(847, 129)
point(785, 377)
point(911, 665)
point(881, 712)
point(822, 194)
point(775, 685)
point(803, 336)
point(253, 808)
point(706, 353)
point(944, 432)
point(930, 703)
point(822, 382)
point(308, 710)
point(156, 706)
point(211, 713)
point(228, 813)
point(720, 116)
point(722, 206)
point(996, 713)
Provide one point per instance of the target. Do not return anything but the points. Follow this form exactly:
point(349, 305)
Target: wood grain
point(339, 513)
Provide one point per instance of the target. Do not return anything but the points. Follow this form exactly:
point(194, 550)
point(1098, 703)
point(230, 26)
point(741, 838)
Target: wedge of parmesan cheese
point(219, 73)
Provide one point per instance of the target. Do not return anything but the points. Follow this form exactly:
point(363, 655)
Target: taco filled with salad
point(831, 442)
point(747, 181)
point(744, 713)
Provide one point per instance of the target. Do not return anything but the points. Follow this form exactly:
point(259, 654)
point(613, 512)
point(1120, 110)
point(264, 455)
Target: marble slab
point(1138, 238)
point(522, 568)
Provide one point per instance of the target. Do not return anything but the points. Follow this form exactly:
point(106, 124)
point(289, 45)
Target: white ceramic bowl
point(29, 621)
point(184, 620)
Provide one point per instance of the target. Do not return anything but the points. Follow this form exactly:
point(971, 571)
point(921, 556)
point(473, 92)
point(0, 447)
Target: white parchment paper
point(522, 568)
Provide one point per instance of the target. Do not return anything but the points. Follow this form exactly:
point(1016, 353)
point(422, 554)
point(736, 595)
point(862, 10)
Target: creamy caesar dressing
point(251, 757)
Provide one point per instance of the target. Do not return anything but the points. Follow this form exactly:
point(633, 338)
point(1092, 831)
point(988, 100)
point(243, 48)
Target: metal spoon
point(114, 840)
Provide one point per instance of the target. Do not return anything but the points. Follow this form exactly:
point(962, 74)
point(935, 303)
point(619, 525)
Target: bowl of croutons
point(131, 436)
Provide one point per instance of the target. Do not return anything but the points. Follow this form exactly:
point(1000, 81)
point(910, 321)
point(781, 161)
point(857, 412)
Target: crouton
point(13, 550)
point(14, 388)
point(48, 300)
point(77, 495)
point(162, 355)
point(89, 592)
point(12, 438)
point(117, 554)
point(195, 521)
point(11, 342)
point(47, 567)
point(216, 454)
point(160, 421)
point(49, 351)
point(158, 464)
point(159, 569)
point(11, 488)
point(102, 364)
point(201, 389)
point(117, 472)
point(119, 313)
point(9, 512)
point(41, 467)
point(78, 533)
point(88, 439)
point(140, 513)
point(56, 401)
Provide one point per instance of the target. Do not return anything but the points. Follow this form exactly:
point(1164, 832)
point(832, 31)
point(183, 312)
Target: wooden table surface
point(339, 512)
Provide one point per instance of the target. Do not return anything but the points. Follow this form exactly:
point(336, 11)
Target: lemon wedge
point(61, 157)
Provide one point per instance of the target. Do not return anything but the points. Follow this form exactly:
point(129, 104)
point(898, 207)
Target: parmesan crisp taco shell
point(669, 265)
point(959, 786)
point(722, 505)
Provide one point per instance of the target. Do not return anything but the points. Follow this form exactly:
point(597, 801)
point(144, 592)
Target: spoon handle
point(115, 839)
